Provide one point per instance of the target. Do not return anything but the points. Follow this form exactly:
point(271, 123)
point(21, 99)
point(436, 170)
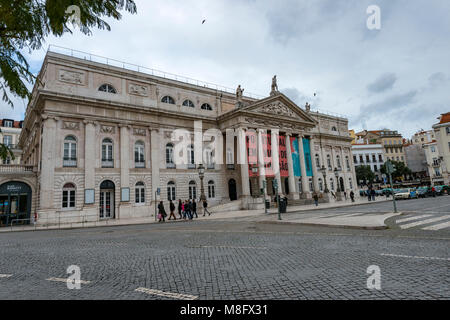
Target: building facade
point(9, 135)
point(442, 134)
point(369, 154)
point(102, 142)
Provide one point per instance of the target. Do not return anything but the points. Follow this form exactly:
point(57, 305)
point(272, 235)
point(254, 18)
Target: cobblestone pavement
point(224, 260)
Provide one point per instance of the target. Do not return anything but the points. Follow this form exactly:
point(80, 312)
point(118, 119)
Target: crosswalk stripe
point(65, 280)
point(5, 275)
point(414, 257)
point(167, 294)
point(415, 224)
point(438, 226)
point(413, 218)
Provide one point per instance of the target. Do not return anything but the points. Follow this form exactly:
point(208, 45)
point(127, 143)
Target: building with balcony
point(442, 134)
point(369, 154)
point(106, 140)
point(9, 135)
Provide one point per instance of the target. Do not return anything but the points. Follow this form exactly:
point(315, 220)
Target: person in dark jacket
point(373, 193)
point(172, 209)
point(205, 205)
point(352, 196)
point(179, 209)
point(194, 208)
point(161, 212)
point(316, 199)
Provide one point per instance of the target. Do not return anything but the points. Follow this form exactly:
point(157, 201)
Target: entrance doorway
point(232, 189)
point(286, 185)
point(341, 184)
point(107, 188)
point(15, 203)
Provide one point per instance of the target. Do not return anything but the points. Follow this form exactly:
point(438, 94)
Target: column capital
point(93, 122)
point(124, 125)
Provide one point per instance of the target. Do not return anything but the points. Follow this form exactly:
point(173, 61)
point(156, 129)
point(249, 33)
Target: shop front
point(15, 203)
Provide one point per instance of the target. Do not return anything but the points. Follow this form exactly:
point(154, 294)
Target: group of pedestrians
point(186, 210)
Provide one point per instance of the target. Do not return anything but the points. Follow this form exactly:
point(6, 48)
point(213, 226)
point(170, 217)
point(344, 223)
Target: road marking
point(415, 224)
point(413, 218)
point(5, 275)
point(229, 247)
point(167, 294)
point(65, 280)
point(439, 226)
point(414, 257)
point(447, 205)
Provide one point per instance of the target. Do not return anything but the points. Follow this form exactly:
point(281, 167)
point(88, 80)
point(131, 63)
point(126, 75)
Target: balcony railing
point(210, 166)
point(70, 162)
point(230, 166)
point(139, 164)
point(109, 163)
point(170, 166)
point(16, 168)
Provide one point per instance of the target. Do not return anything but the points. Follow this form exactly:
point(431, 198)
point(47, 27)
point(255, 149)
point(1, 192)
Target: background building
point(369, 154)
point(9, 135)
point(442, 134)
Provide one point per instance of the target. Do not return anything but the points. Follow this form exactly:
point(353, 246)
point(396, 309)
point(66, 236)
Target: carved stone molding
point(70, 125)
point(138, 90)
point(71, 76)
point(277, 108)
point(107, 129)
point(139, 132)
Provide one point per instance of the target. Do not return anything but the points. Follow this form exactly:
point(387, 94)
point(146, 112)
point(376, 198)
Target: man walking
point(161, 212)
point(205, 205)
point(179, 209)
point(352, 196)
point(194, 208)
point(316, 199)
point(172, 209)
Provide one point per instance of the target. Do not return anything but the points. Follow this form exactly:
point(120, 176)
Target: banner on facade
point(252, 152)
point(307, 152)
point(282, 151)
point(295, 157)
point(267, 154)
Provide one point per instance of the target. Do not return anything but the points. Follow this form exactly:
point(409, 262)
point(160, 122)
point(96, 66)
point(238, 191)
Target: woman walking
point(161, 212)
point(183, 210)
point(172, 209)
point(316, 199)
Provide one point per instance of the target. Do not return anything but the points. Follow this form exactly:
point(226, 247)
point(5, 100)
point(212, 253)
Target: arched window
point(191, 157)
point(211, 189)
point(192, 190)
point(347, 162)
point(317, 161)
point(320, 184)
point(169, 156)
point(332, 184)
point(168, 99)
point(206, 106)
point(311, 185)
point(139, 154)
point(338, 161)
point(329, 162)
point(350, 184)
point(68, 196)
point(188, 103)
point(140, 192)
point(70, 152)
point(107, 88)
point(333, 128)
point(171, 191)
point(300, 190)
point(107, 153)
point(208, 157)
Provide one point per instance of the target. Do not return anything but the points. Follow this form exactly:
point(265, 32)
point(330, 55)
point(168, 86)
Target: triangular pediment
point(281, 107)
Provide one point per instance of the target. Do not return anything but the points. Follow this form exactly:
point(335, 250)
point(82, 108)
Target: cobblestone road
point(224, 260)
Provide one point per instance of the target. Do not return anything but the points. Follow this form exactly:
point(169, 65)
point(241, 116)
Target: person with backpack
point(172, 209)
point(161, 212)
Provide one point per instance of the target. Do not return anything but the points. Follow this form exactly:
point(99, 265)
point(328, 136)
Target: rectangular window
point(68, 200)
point(8, 124)
point(7, 140)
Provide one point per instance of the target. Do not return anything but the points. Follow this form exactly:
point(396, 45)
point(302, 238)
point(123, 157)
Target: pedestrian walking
point(373, 193)
point(172, 209)
point(352, 196)
point(368, 194)
point(183, 209)
point(316, 199)
point(161, 212)
point(194, 208)
point(345, 195)
point(205, 205)
point(189, 209)
point(179, 208)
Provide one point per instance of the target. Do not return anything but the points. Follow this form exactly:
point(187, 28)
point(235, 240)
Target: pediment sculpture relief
point(71, 76)
point(277, 108)
point(138, 89)
point(107, 129)
point(71, 125)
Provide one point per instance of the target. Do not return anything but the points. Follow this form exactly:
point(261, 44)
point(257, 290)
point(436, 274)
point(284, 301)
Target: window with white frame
point(8, 123)
point(139, 154)
point(188, 103)
point(338, 161)
point(347, 162)
point(70, 152)
point(140, 192)
point(192, 190)
point(320, 184)
point(169, 155)
point(171, 191)
point(107, 153)
point(332, 184)
point(300, 185)
point(209, 158)
point(329, 162)
point(350, 184)
point(168, 99)
point(107, 88)
point(311, 185)
point(191, 157)
point(7, 140)
point(317, 161)
point(211, 189)
point(68, 196)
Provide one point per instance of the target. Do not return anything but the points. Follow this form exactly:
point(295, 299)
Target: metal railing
point(150, 71)
point(16, 168)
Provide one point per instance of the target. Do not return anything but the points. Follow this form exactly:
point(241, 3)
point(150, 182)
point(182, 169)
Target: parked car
point(423, 192)
point(405, 194)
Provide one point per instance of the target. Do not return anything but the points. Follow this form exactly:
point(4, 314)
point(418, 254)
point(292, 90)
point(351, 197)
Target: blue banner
point(307, 151)
point(295, 157)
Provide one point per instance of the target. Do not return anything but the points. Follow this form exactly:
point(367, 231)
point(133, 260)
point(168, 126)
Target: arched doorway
point(15, 203)
point(232, 189)
point(107, 188)
point(286, 186)
point(341, 184)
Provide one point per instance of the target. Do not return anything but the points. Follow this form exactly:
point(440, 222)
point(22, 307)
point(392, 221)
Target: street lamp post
point(201, 174)
point(336, 174)
point(323, 170)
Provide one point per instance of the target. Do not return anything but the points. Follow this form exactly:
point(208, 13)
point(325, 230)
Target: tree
point(24, 25)
point(6, 152)
point(364, 173)
point(400, 169)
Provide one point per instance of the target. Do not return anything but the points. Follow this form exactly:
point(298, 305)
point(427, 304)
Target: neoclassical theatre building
point(97, 143)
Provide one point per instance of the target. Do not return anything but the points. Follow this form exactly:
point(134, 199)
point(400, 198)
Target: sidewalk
point(214, 216)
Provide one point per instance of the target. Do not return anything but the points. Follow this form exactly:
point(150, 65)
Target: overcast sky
point(397, 77)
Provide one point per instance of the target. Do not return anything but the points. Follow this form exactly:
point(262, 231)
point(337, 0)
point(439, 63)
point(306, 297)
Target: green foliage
point(400, 169)
point(24, 24)
point(6, 152)
point(364, 173)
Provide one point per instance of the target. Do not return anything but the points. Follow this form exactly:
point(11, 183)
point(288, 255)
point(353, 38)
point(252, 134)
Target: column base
point(306, 195)
point(294, 196)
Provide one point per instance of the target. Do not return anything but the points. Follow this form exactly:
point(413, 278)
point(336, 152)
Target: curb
point(327, 225)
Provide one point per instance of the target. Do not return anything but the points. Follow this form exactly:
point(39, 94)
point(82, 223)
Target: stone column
point(46, 200)
point(344, 171)
point(276, 159)
point(155, 161)
point(305, 186)
point(242, 161)
point(124, 156)
point(89, 154)
point(261, 168)
point(291, 179)
point(315, 170)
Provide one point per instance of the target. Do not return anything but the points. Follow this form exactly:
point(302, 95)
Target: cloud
point(383, 83)
point(437, 79)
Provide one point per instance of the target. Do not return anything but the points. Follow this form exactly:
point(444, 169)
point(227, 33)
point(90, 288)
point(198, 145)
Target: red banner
point(284, 171)
point(267, 153)
point(252, 151)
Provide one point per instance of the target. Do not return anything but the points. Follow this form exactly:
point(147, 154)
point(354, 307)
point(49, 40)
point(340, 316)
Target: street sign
point(158, 191)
